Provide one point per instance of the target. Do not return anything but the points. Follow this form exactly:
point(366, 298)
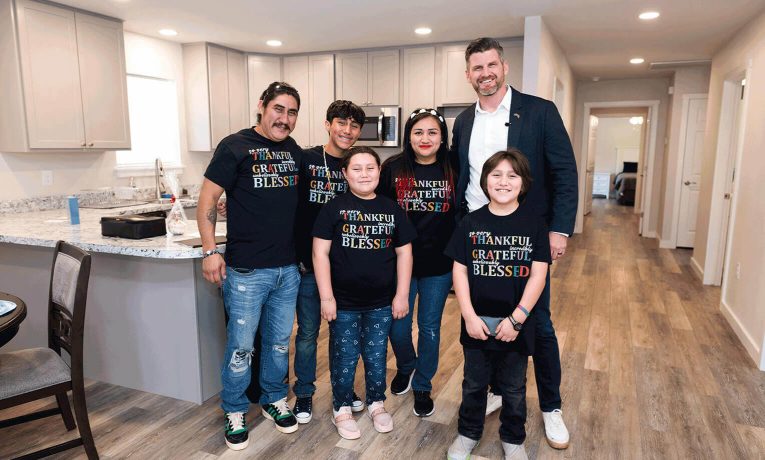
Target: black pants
point(546, 355)
point(508, 372)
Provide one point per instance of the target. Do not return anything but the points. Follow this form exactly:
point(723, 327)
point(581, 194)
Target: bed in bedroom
point(625, 183)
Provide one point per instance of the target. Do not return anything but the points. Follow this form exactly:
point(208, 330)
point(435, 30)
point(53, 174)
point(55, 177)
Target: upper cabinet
point(419, 79)
point(64, 77)
point(314, 78)
point(261, 72)
point(215, 81)
point(370, 78)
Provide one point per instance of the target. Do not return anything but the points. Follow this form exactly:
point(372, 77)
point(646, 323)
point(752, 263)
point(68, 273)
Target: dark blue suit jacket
point(537, 130)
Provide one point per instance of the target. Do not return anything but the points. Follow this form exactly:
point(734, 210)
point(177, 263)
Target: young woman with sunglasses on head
point(421, 179)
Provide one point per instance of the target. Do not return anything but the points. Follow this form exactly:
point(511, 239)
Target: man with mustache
point(258, 168)
point(503, 118)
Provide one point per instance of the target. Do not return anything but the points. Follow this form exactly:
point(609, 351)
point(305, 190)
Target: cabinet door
point(103, 82)
point(217, 68)
point(383, 77)
point(321, 89)
point(261, 72)
point(351, 78)
point(454, 86)
point(419, 79)
point(237, 90)
point(295, 73)
point(50, 72)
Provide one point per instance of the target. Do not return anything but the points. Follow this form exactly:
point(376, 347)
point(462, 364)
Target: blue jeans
point(432, 291)
point(308, 320)
point(354, 333)
point(265, 297)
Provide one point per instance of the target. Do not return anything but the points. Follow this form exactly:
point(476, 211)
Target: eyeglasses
point(433, 112)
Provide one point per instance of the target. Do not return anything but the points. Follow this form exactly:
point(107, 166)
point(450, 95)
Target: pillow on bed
point(630, 167)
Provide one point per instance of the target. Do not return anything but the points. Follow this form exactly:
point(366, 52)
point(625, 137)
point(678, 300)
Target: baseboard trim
point(651, 234)
point(697, 270)
point(667, 244)
point(743, 335)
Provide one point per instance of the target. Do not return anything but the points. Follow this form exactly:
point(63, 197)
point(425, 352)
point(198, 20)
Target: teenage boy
point(504, 118)
point(258, 169)
point(320, 180)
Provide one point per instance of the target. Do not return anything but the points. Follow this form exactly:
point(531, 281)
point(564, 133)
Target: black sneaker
point(280, 413)
point(302, 409)
point(357, 405)
point(423, 405)
point(235, 431)
point(401, 383)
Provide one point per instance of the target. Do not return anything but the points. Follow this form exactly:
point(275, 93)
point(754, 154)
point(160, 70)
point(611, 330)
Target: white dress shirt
point(488, 137)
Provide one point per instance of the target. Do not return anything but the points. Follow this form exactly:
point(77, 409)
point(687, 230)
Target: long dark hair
point(406, 181)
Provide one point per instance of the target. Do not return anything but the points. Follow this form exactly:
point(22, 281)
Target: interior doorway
point(635, 184)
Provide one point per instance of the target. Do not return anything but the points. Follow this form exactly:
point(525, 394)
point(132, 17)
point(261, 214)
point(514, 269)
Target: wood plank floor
point(650, 370)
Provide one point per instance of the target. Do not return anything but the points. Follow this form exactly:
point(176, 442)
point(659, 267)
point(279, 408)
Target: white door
point(695, 122)
point(590, 168)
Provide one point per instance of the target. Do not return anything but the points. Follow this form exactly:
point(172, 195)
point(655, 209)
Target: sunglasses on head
point(433, 112)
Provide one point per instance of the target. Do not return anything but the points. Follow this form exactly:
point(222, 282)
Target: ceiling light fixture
point(648, 15)
point(423, 30)
point(273, 43)
point(637, 61)
point(168, 32)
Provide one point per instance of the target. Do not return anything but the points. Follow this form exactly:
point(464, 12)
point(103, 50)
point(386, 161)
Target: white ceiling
point(598, 36)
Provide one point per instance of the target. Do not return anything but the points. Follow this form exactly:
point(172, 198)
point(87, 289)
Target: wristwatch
point(516, 324)
point(207, 254)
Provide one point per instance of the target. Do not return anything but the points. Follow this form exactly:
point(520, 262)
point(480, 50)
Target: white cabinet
point(419, 79)
point(368, 78)
point(64, 77)
point(261, 72)
point(215, 81)
point(313, 76)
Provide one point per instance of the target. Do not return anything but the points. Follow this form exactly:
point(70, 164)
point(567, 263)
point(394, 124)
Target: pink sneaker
point(345, 423)
point(380, 417)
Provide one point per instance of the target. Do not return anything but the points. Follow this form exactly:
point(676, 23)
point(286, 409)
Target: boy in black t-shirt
point(501, 255)
point(258, 169)
point(362, 255)
point(321, 179)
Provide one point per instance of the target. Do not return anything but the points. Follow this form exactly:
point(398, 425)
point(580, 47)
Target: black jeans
point(507, 369)
point(546, 355)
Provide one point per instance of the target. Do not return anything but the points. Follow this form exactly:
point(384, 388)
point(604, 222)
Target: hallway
point(650, 370)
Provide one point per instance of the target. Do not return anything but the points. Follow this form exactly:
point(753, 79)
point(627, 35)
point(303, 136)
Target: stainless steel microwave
point(382, 126)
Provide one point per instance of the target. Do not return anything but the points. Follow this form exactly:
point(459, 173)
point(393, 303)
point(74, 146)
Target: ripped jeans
point(265, 297)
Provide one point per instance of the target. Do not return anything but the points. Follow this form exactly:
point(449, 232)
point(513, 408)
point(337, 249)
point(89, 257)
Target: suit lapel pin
point(517, 115)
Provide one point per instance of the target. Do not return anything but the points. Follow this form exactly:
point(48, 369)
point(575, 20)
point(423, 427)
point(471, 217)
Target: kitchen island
point(152, 322)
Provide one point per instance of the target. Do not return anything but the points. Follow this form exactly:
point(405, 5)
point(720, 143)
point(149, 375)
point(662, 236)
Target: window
point(154, 130)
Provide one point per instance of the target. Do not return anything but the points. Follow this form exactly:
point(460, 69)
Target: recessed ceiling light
point(274, 43)
point(168, 32)
point(648, 15)
point(637, 61)
point(423, 30)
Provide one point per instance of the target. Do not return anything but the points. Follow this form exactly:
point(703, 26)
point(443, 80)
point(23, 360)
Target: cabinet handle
point(90, 145)
point(83, 144)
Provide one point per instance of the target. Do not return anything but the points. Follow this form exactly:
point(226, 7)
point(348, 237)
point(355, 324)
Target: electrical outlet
point(47, 178)
point(738, 270)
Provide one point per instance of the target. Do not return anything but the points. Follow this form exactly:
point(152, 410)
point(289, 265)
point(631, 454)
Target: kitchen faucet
point(159, 173)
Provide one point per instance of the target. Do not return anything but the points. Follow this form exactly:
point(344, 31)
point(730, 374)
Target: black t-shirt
point(428, 200)
point(260, 177)
point(316, 189)
point(365, 235)
point(498, 252)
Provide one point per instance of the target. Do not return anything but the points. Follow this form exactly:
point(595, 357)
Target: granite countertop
point(44, 228)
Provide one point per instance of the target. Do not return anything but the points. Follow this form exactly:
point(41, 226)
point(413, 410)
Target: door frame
point(650, 154)
point(678, 178)
point(718, 239)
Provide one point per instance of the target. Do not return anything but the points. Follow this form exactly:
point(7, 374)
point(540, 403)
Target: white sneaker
point(493, 403)
point(461, 448)
point(555, 429)
point(514, 451)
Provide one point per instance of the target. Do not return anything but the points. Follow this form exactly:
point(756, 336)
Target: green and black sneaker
point(282, 416)
point(236, 431)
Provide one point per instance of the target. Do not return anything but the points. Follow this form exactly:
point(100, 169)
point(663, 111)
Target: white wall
point(75, 171)
point(612, 134)
point(687, 80)
point(743, 301)
point(543, 62)
point(642, 89)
